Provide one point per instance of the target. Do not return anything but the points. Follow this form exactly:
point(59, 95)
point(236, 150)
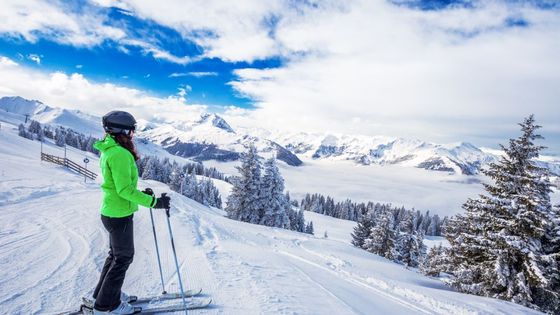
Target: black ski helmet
point(119, 122)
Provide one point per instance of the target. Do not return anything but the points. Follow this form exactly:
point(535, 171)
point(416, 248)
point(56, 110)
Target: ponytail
point(126, 142)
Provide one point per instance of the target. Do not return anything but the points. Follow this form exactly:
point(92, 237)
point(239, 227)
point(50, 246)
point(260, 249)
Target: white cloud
point(366, 67)
point(232, 31)
point(413, 73)
point(79, 66)
point(197, 74)
point(33, 19)
point(6, 62)
point(74, 91)
point(35, 58)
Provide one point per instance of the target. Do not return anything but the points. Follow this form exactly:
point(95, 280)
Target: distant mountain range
point(210, 137)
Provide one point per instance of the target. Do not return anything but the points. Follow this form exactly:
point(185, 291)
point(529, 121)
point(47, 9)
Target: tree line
point(61, 136)
point(425, 223)
point(183, 178)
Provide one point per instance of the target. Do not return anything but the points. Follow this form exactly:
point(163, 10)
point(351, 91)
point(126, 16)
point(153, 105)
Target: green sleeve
point(121, 169)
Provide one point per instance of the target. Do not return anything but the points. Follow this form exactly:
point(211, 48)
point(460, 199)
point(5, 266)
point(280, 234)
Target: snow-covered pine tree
point(59, 137)
point(309, 228)
point(409, 246)
point(497, 243)
point(176, 177)
point(362, 231)
point(22, 132)
point(381, 240)
point(244, 202)
point(434, 262)
point(273, 199)
point(299, 221)
point(34, 127)
point(150, 168)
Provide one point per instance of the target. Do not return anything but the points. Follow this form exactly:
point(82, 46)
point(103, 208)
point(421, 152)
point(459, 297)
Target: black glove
point(162, 202)
point(148, 191)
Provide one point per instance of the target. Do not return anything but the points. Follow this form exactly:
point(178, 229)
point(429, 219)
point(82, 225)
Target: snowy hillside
point(52, 246)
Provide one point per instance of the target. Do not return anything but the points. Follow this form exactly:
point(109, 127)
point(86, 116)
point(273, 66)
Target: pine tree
point(434, 263)
point(309, 228)
point(176, 178)
point(300, 221)
point(381, 240)
point(150, 168)
point(362, 231)
point(497, 244)
point(273, 200)
point(244, 203)
point(59, 137)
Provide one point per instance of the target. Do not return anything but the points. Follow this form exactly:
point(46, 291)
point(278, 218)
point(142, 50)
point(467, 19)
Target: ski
point(88, 302)
point(177, 307)
point(167, 296)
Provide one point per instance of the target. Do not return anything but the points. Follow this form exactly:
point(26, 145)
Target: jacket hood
point(106, 143)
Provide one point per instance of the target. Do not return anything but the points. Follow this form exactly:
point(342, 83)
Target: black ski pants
point(107, 293)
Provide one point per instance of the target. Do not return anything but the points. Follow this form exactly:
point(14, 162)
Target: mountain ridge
point(211, 137)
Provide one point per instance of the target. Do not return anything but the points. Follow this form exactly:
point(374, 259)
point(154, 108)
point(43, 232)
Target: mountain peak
point(216, 121)
point(22, 106)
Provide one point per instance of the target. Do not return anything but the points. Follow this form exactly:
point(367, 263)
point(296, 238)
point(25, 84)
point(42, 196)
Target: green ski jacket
point(120, 177)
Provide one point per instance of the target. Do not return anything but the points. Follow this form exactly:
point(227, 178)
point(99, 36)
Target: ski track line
point(84, 264)
point(322, 287)
point(53, 229)
point(60, 241)
point(426, 301)
point(354, 281)
point(201, 276)
point(221, 263)
point(246, 271)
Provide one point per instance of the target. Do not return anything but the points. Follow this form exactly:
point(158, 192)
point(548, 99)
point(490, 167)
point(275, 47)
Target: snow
point(433, 241)
point(52, 246)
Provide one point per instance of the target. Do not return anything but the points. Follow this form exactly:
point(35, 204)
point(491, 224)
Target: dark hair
point(125, 141)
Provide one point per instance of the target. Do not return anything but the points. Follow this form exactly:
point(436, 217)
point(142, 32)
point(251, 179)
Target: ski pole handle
point(148, 191)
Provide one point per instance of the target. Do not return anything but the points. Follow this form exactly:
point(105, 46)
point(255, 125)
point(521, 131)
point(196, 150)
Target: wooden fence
point(68, 164)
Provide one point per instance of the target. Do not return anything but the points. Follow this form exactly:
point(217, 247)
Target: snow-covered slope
point(52, 247)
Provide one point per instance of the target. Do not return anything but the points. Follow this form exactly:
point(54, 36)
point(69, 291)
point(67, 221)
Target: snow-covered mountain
point(455, 158)
point(459, 158)
point(74, 119)
point(210, 137)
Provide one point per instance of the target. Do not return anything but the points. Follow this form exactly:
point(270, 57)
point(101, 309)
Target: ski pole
point(151, 192)
point(175, 256)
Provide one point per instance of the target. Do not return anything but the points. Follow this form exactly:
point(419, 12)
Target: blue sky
point(206, 78)
point(438, 70)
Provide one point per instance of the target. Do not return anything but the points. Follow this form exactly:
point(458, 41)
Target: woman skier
point(120, 200)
